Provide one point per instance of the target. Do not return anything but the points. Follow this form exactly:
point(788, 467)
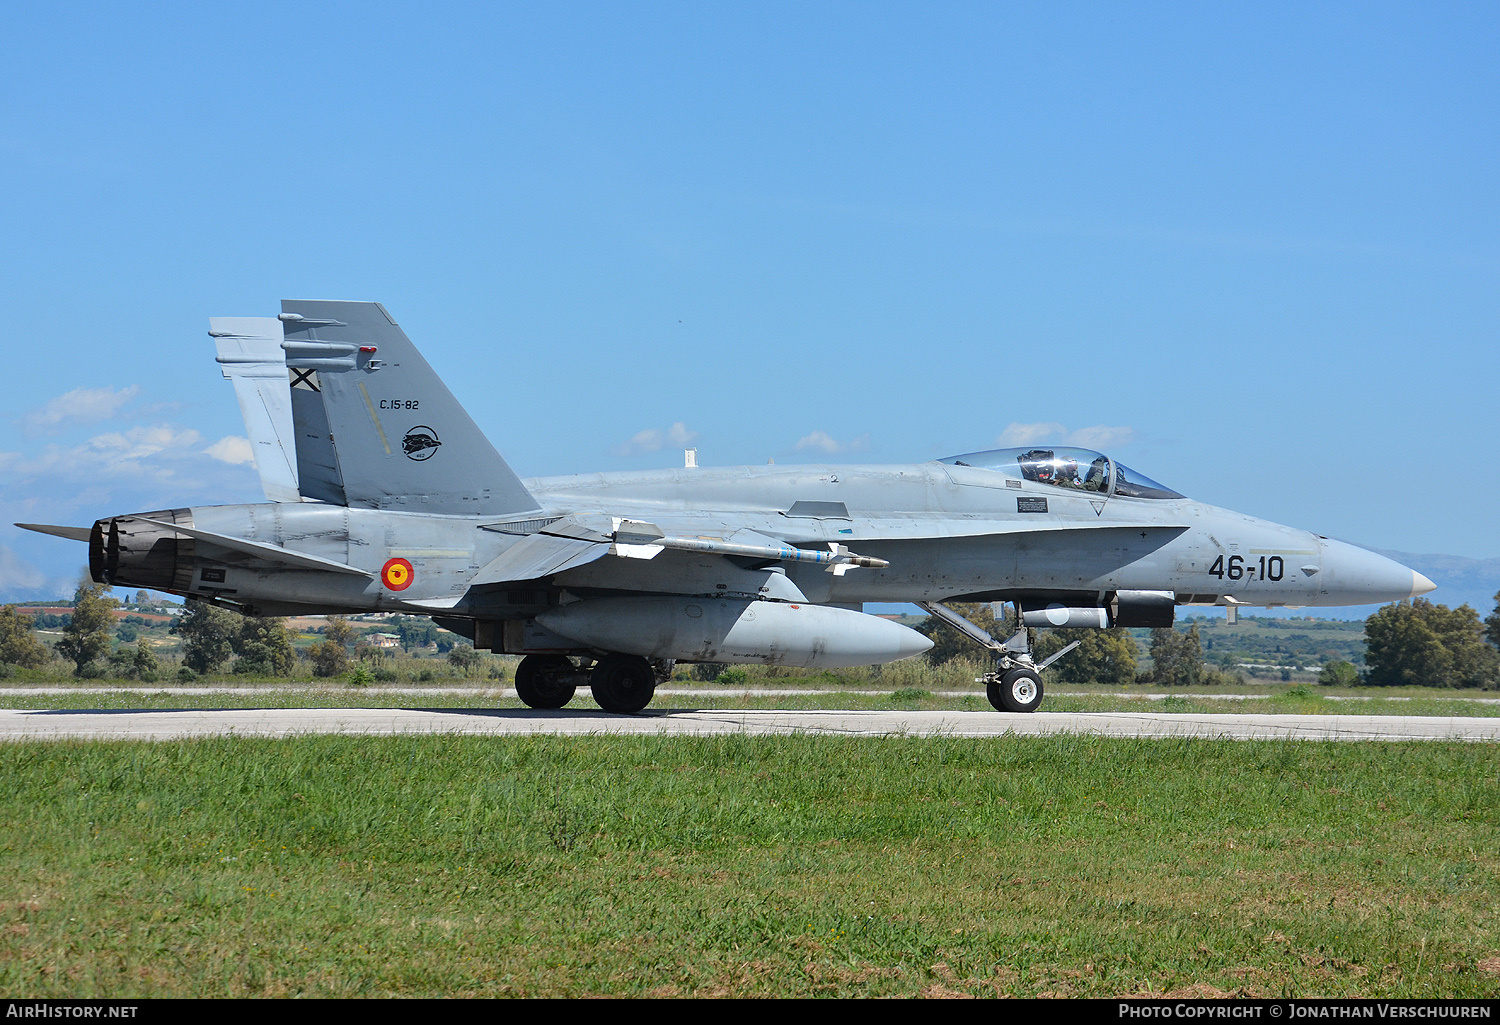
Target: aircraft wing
point(567, 544)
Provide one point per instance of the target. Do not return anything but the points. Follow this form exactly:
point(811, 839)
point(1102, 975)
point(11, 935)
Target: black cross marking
point(304, 377)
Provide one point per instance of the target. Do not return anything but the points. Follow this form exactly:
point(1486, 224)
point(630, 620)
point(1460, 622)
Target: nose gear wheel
point(1019, 690)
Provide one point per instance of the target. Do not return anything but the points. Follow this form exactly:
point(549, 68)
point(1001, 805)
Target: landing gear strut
point(1015, 684)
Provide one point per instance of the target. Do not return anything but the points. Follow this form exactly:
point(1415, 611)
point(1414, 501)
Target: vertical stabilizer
point(399, 438)
point(249, 351)
point(318, 474)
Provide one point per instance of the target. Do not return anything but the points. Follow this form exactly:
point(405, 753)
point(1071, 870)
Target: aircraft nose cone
point(1361, 577)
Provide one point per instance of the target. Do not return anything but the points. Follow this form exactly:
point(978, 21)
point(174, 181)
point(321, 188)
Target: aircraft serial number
point(1270, 569)
point(400, 403)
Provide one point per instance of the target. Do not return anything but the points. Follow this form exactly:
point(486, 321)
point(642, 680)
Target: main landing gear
point(547, 681)
point(620, 683)
point(1015, 684)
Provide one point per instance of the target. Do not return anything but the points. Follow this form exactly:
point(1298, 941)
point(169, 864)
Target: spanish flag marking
point(397, 574)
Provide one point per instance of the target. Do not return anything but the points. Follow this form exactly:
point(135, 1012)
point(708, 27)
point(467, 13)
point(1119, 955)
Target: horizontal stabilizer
point(260, 550)
point(71, 533)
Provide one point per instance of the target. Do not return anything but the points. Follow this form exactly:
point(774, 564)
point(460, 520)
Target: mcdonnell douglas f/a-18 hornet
point(386, 497)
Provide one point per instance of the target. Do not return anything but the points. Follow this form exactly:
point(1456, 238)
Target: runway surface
point(167, 724)
point(480, 693)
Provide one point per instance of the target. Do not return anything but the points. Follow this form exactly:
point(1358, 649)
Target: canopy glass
point(1077, 469)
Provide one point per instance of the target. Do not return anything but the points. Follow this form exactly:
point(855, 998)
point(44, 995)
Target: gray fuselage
point(948, 533)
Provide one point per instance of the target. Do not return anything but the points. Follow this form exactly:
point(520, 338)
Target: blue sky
point(1253, 249)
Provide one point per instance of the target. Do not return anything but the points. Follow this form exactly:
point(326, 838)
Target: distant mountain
point(1460, 580)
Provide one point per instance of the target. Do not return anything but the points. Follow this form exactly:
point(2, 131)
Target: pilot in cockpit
point(1098, 478)
point(1060, 469)
point(1037, 465)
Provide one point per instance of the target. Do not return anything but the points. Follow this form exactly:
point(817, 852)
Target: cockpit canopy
point(1078, 469)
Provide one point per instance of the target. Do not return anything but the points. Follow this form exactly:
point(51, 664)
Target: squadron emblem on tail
point(420, 443)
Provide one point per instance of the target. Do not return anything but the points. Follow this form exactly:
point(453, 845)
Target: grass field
point(540, 866)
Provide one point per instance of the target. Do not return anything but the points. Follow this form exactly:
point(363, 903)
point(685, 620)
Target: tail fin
point(249, 351)
point(400, 439)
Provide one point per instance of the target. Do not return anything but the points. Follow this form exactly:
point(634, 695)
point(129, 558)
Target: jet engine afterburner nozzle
point(128, 551)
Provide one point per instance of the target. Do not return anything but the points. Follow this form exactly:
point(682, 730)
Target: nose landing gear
point(1019, 690)
point(1015, 684)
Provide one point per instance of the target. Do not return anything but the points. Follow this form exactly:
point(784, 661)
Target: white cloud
point(1100, 437)
point(645, 441)
point(822, 441)
point(233, 450)
point(138, 455)
point(22, 581)
point(1027, 434)
point(79, 406)
point(140, 442)
point(160, 466)
point(654, 440)
point(19, 575)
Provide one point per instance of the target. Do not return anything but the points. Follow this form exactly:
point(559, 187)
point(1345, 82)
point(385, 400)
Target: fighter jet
point(384, 496)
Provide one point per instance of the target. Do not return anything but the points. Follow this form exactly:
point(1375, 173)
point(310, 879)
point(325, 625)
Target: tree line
point(1418, 644)
point(214, 640)
point(1409, 643)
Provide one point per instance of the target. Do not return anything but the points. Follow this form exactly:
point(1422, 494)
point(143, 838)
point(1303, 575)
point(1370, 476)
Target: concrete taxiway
point(482, 693)
point(171, 724)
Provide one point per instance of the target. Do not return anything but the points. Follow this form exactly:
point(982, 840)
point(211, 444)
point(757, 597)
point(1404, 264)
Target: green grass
point(543, 866)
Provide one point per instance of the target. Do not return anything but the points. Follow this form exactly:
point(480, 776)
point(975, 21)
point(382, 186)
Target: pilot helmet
point(1037, 464)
